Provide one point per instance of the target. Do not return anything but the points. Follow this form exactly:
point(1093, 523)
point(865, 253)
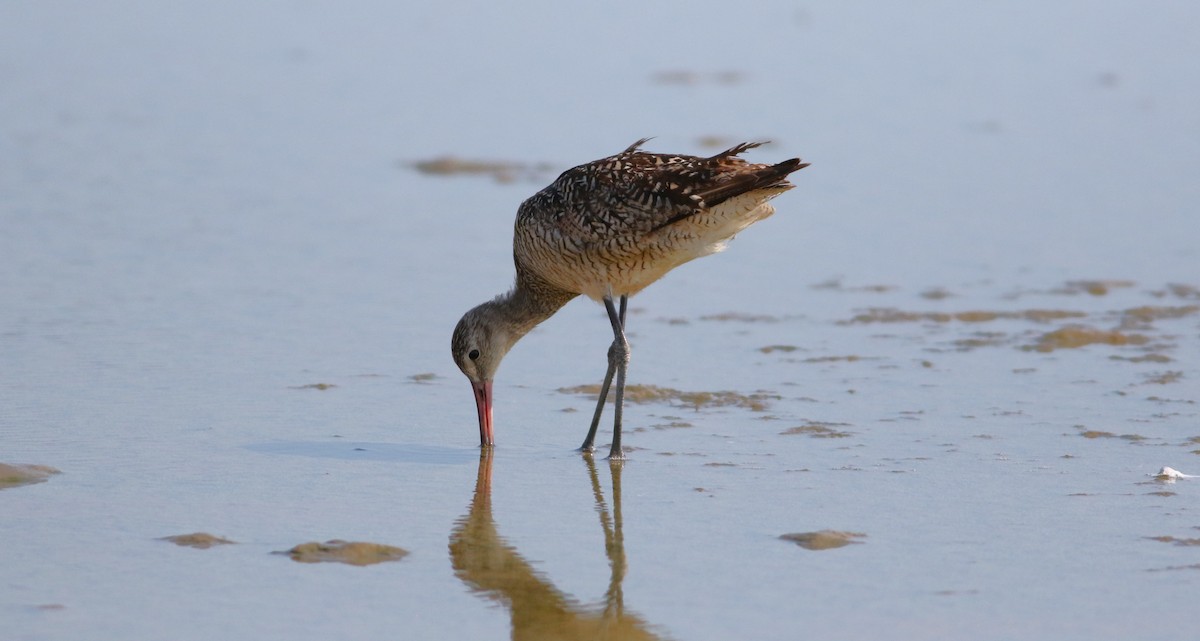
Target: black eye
point(473, 354)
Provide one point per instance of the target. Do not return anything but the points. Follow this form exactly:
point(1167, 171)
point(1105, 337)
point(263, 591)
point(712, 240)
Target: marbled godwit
point(607, 229)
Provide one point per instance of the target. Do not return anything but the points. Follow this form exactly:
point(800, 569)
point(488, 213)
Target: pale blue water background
point(206, 206)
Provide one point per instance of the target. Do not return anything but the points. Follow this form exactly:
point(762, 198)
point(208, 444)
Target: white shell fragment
point(1171, 474)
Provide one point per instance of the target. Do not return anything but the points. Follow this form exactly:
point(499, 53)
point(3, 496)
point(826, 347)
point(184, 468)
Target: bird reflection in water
point(490, 566)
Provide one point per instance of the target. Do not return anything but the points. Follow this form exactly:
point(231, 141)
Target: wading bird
point(608, 229)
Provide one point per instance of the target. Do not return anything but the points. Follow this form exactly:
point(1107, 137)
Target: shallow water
point(970, 335)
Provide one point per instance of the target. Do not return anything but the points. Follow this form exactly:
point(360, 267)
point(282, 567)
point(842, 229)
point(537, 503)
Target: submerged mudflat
point(24, 474)
point(950, 389)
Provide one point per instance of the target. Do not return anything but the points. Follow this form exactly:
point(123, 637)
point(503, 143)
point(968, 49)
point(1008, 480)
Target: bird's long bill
point(483, 403)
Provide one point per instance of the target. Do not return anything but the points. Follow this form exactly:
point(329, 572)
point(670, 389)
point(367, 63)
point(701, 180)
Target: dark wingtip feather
point(636, 145)
point(739, 148)
point(790, 165)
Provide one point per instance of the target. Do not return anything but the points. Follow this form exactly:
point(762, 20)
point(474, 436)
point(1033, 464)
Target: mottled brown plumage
point(613, 226)
point(606, 229)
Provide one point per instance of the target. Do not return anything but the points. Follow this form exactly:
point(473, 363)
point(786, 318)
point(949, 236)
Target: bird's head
point(479, 343)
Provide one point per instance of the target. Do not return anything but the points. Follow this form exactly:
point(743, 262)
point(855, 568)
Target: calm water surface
point(970, 335)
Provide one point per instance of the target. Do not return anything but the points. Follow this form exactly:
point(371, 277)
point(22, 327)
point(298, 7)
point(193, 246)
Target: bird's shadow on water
point(496, 571)
point(366, 451)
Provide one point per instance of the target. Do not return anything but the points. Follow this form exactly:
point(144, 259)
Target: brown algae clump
point(1093, 287)
point(1046, 315)
point(976, 316)
point(1164, 378)
point(1073, 336)
point(980, 339)
point(1147, 358)
point(756, 402)
point(499, 170)
point(338, 551)
point(15, 475)
point(823, 539)
point(316, 386)
point(1176, 541)
point(1103, 434)
point(892, 315)
point(1147, 314)
point(778, 348)
point(937, 293)
point(688, 77)
point(835, 284)
point(198, 540)
point(740, 317)
point(1180, 291)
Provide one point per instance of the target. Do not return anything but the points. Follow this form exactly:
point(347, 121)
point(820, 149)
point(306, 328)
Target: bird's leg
point(614, 356)
point(591, 435)
point(618, 356)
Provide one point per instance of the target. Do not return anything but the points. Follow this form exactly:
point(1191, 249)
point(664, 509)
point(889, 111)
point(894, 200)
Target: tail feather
point(764, 177)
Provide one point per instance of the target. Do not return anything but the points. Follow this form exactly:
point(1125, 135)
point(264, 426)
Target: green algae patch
point(851, 358)
point(818, 429)
point(756, 402)
point(424, 377)
point(17, 475)
point(198, 540)
point(823, 539)
point(349, 552)
point(1076, 336)
point(981, 339)
point(672, 425)
point(787, 349)
point(1147, 358)
point(740, 317)
point(1164, 378)
point(317, 386)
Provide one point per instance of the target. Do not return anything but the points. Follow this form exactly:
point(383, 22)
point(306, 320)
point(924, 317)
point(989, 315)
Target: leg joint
point(618, 352)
